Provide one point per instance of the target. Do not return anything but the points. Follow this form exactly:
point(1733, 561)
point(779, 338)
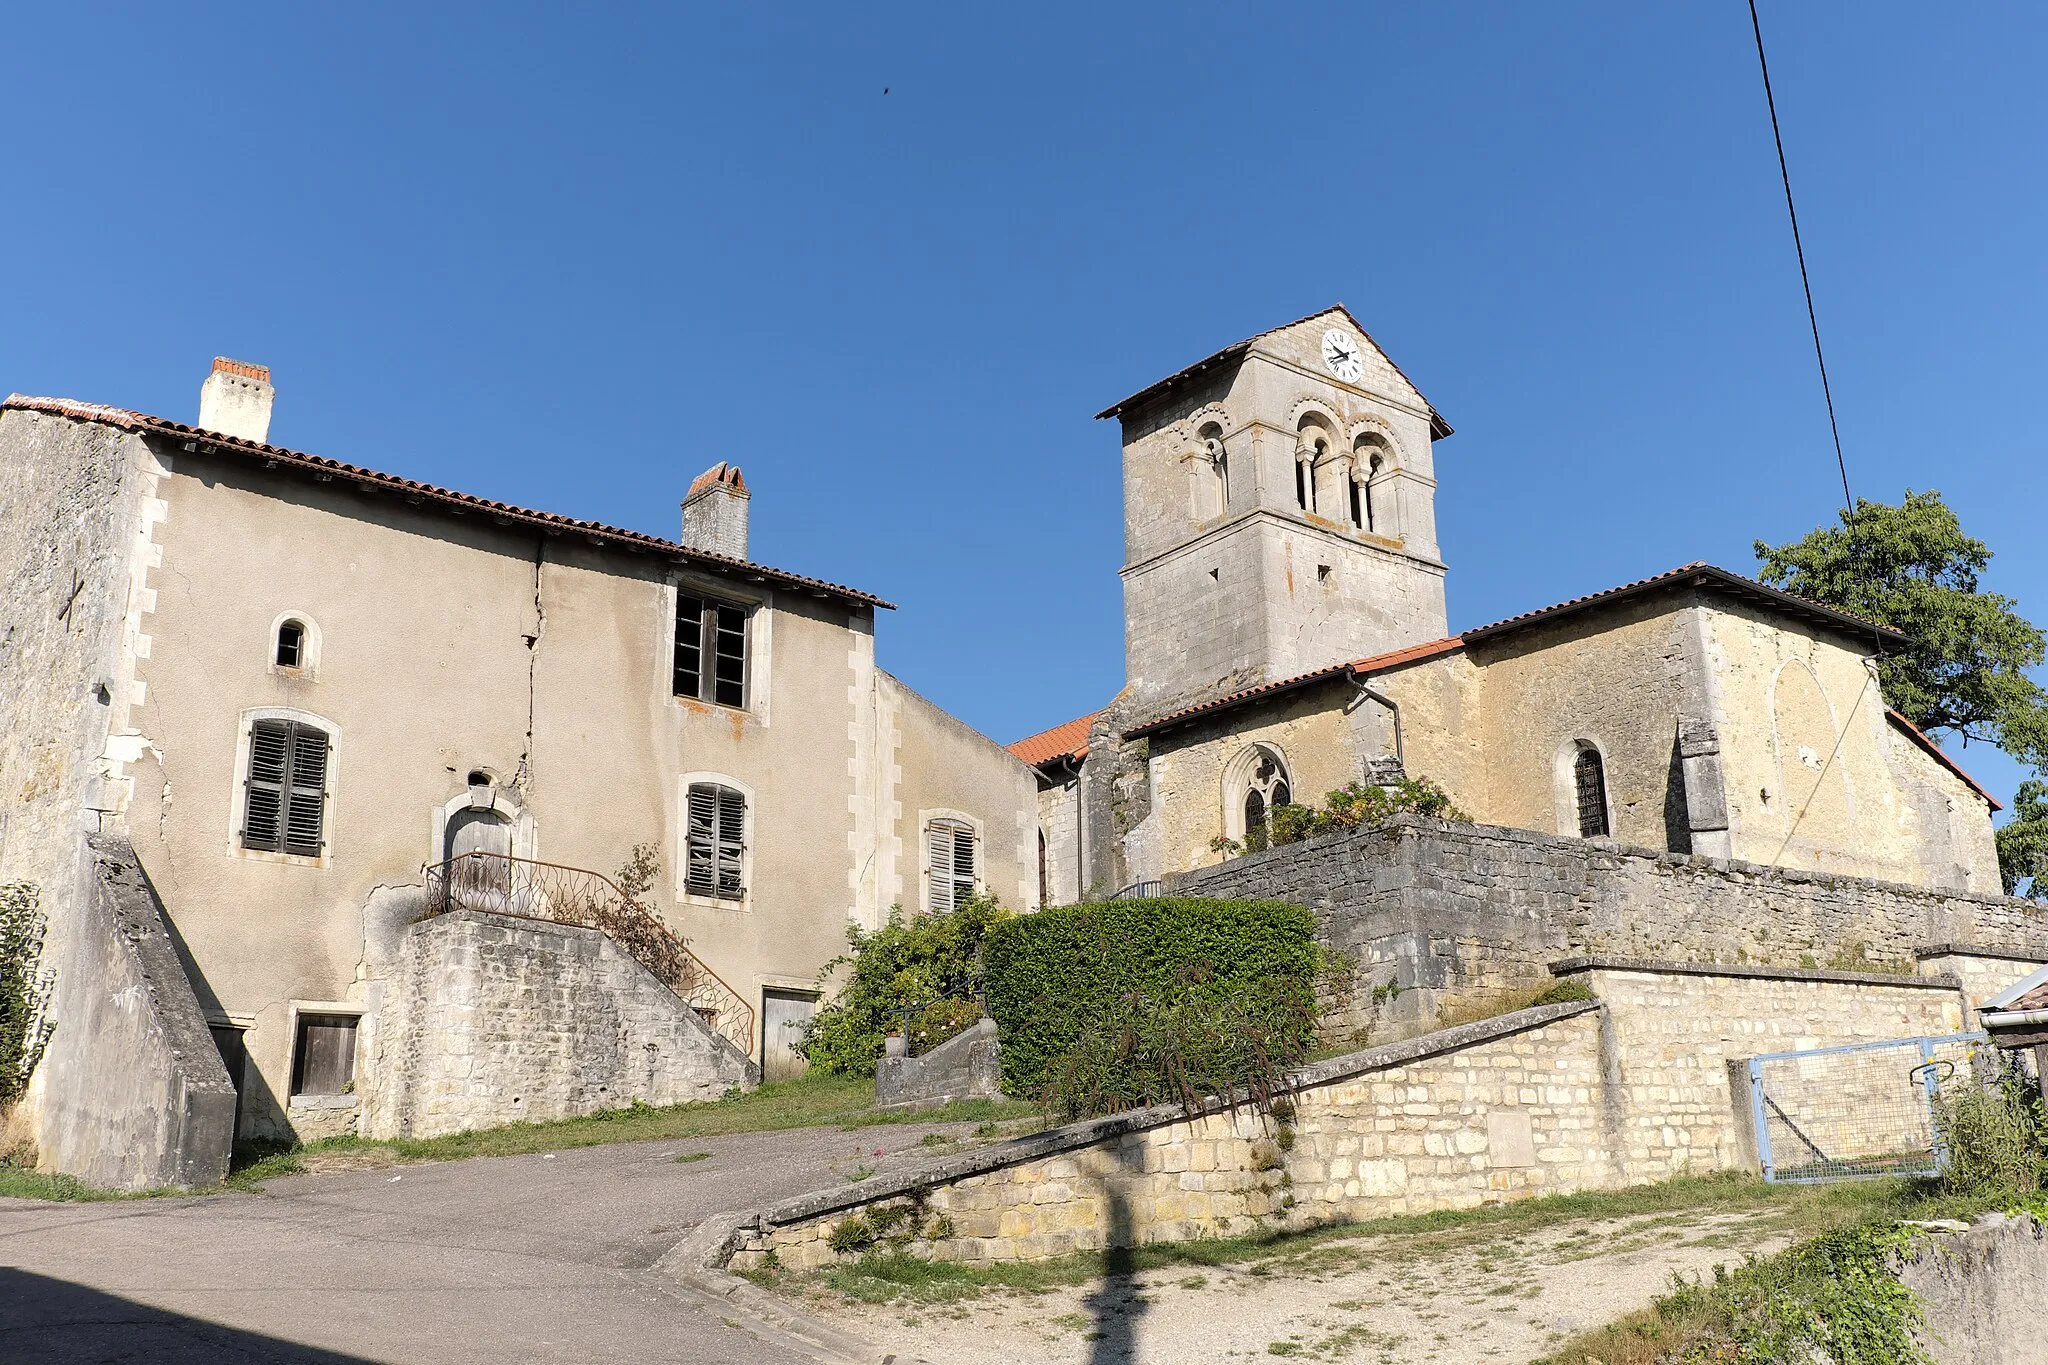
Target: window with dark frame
point(285, 802)
point(324, 1055)
point(951, 845)
point(1590, 779)
point(715, 843)
point(711, 650)
point(291, 645)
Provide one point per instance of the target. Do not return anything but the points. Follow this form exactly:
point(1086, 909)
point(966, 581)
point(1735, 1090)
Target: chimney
point(235, 400)
point(715, 512)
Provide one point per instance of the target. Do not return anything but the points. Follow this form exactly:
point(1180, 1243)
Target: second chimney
point(715, 512)
point(235, 400)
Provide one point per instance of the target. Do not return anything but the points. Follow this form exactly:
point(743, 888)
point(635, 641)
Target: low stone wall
point(1500, 1109)
point(495, 1019)
point(964, 1067)
point(1446, 912)
point(1673, 1028)
point(134, 1095)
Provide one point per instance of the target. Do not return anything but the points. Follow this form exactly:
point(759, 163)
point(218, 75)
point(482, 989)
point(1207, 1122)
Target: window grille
point(291, 645)
point(285, 806)
point(711, 651)
point(952, 863)
point(1590, 780)
point(715, 853)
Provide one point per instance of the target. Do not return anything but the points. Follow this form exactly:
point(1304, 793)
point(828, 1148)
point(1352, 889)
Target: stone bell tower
point(1279, 514)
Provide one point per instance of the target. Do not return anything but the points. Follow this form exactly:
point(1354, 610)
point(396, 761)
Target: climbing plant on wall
point(25, 986)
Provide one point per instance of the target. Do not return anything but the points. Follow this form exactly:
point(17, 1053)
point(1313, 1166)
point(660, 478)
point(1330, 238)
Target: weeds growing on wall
point(924, 971)
point(1348, 807)
point(1115, 1004)
point(25, 986)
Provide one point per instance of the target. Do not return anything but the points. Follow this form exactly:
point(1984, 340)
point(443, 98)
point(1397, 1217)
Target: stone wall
point(963, 1067)
point(1502, 1109)
point(1447, 912)
point(1673, 1029)
point(1984, 1291)
point(134, 1095)
point(495, 1019)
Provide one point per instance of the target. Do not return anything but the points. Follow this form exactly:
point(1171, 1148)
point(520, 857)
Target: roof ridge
point(192, 436)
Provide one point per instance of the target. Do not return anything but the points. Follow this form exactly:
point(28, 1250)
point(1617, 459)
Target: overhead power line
point(1812, 318)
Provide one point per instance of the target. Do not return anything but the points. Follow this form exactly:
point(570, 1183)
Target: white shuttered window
point(952, 851)
point(714, 859)
point(285, 807)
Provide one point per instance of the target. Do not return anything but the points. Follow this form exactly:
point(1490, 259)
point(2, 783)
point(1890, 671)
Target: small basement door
point(783, 1015)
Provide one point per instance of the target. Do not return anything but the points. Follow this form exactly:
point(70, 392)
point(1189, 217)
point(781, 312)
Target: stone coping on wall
point(1612, 848)
point(1072, 1136)
point(1976, 950)
point(1571, 966)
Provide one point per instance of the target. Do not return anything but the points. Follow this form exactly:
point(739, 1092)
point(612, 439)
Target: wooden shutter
point(324, 1061)
point(715, 849)
point(732, 848)
point(270, 749)
point(306, 788)
point(950, 851)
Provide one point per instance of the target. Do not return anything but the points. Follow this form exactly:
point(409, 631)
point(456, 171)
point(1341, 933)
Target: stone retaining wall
point(495, 1019)
point(964, 1067)
point(1446, 912)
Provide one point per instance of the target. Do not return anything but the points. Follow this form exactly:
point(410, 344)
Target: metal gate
point(1864, 1109)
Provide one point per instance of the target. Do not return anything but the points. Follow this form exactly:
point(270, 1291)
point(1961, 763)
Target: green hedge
point(1052, 975)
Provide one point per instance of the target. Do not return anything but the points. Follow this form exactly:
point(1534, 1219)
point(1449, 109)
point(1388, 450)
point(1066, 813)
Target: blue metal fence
point(1861, 1109)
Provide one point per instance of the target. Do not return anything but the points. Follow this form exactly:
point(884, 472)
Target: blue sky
point(570, 256)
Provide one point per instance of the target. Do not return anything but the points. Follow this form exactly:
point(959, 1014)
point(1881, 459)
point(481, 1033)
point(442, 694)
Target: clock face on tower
point(1340, 355)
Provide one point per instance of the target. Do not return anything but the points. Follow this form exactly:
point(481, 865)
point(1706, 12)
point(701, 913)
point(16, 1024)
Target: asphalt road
point(498, 1259)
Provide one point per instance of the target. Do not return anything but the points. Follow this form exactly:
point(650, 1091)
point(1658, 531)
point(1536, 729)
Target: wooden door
point(783, 1015)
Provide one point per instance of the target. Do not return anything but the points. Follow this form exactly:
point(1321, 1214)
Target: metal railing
point(523, 888)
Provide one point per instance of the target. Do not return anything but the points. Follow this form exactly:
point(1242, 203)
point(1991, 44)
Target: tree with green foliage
point(923, 973)
point(1964, 667)
point(25, 987)
point(2023, 843)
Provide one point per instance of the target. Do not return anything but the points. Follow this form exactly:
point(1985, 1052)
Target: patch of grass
point(687, 1157)
point(813, 1100)
point(19, 1182)
point(885, 1277)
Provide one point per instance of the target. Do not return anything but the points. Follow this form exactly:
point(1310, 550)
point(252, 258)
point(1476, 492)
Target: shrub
point(1994, 1133)
point(929, 964)
point(1348, 807)
point(24, 988)
point(1121, 1000)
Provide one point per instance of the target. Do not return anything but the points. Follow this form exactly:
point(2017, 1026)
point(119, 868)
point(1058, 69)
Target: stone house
point(296, 687)
point(1285, 634)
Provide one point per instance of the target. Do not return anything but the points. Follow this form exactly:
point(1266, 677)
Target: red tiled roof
point(1357, 668)
point(1062, 741)
point(1438, 427)
point(1702, 574)
point(446, 499)
point(1935, 750)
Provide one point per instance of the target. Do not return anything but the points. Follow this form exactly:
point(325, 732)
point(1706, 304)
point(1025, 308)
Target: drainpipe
point(1366, 689)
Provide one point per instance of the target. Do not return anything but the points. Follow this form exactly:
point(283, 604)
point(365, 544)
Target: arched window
point(1255, 782)
point(1372, 474)
point(1215, 474)
point(285, 789)
point(1311, 460)
point(1589, 786)
point(291, 644)
point(1044, 878)
point(715, 842)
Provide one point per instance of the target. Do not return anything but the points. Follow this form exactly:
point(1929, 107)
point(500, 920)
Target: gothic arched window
point(1589, 787)
point(1255, 782)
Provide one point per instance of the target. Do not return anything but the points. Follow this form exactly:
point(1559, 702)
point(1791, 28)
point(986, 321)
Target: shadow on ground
point(55, 1322)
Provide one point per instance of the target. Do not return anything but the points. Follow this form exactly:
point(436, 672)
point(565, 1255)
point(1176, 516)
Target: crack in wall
point(524, 775)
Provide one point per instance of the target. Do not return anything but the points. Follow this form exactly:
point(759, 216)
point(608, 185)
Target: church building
point(1285, 634)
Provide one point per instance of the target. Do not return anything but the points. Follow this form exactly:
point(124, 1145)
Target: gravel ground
point(1468, 1296)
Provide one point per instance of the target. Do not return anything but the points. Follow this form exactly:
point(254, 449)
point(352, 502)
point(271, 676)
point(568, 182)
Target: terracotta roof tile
point(1062, 741)
point(426, 493)
point(1356, 668)
point(1940, 756)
